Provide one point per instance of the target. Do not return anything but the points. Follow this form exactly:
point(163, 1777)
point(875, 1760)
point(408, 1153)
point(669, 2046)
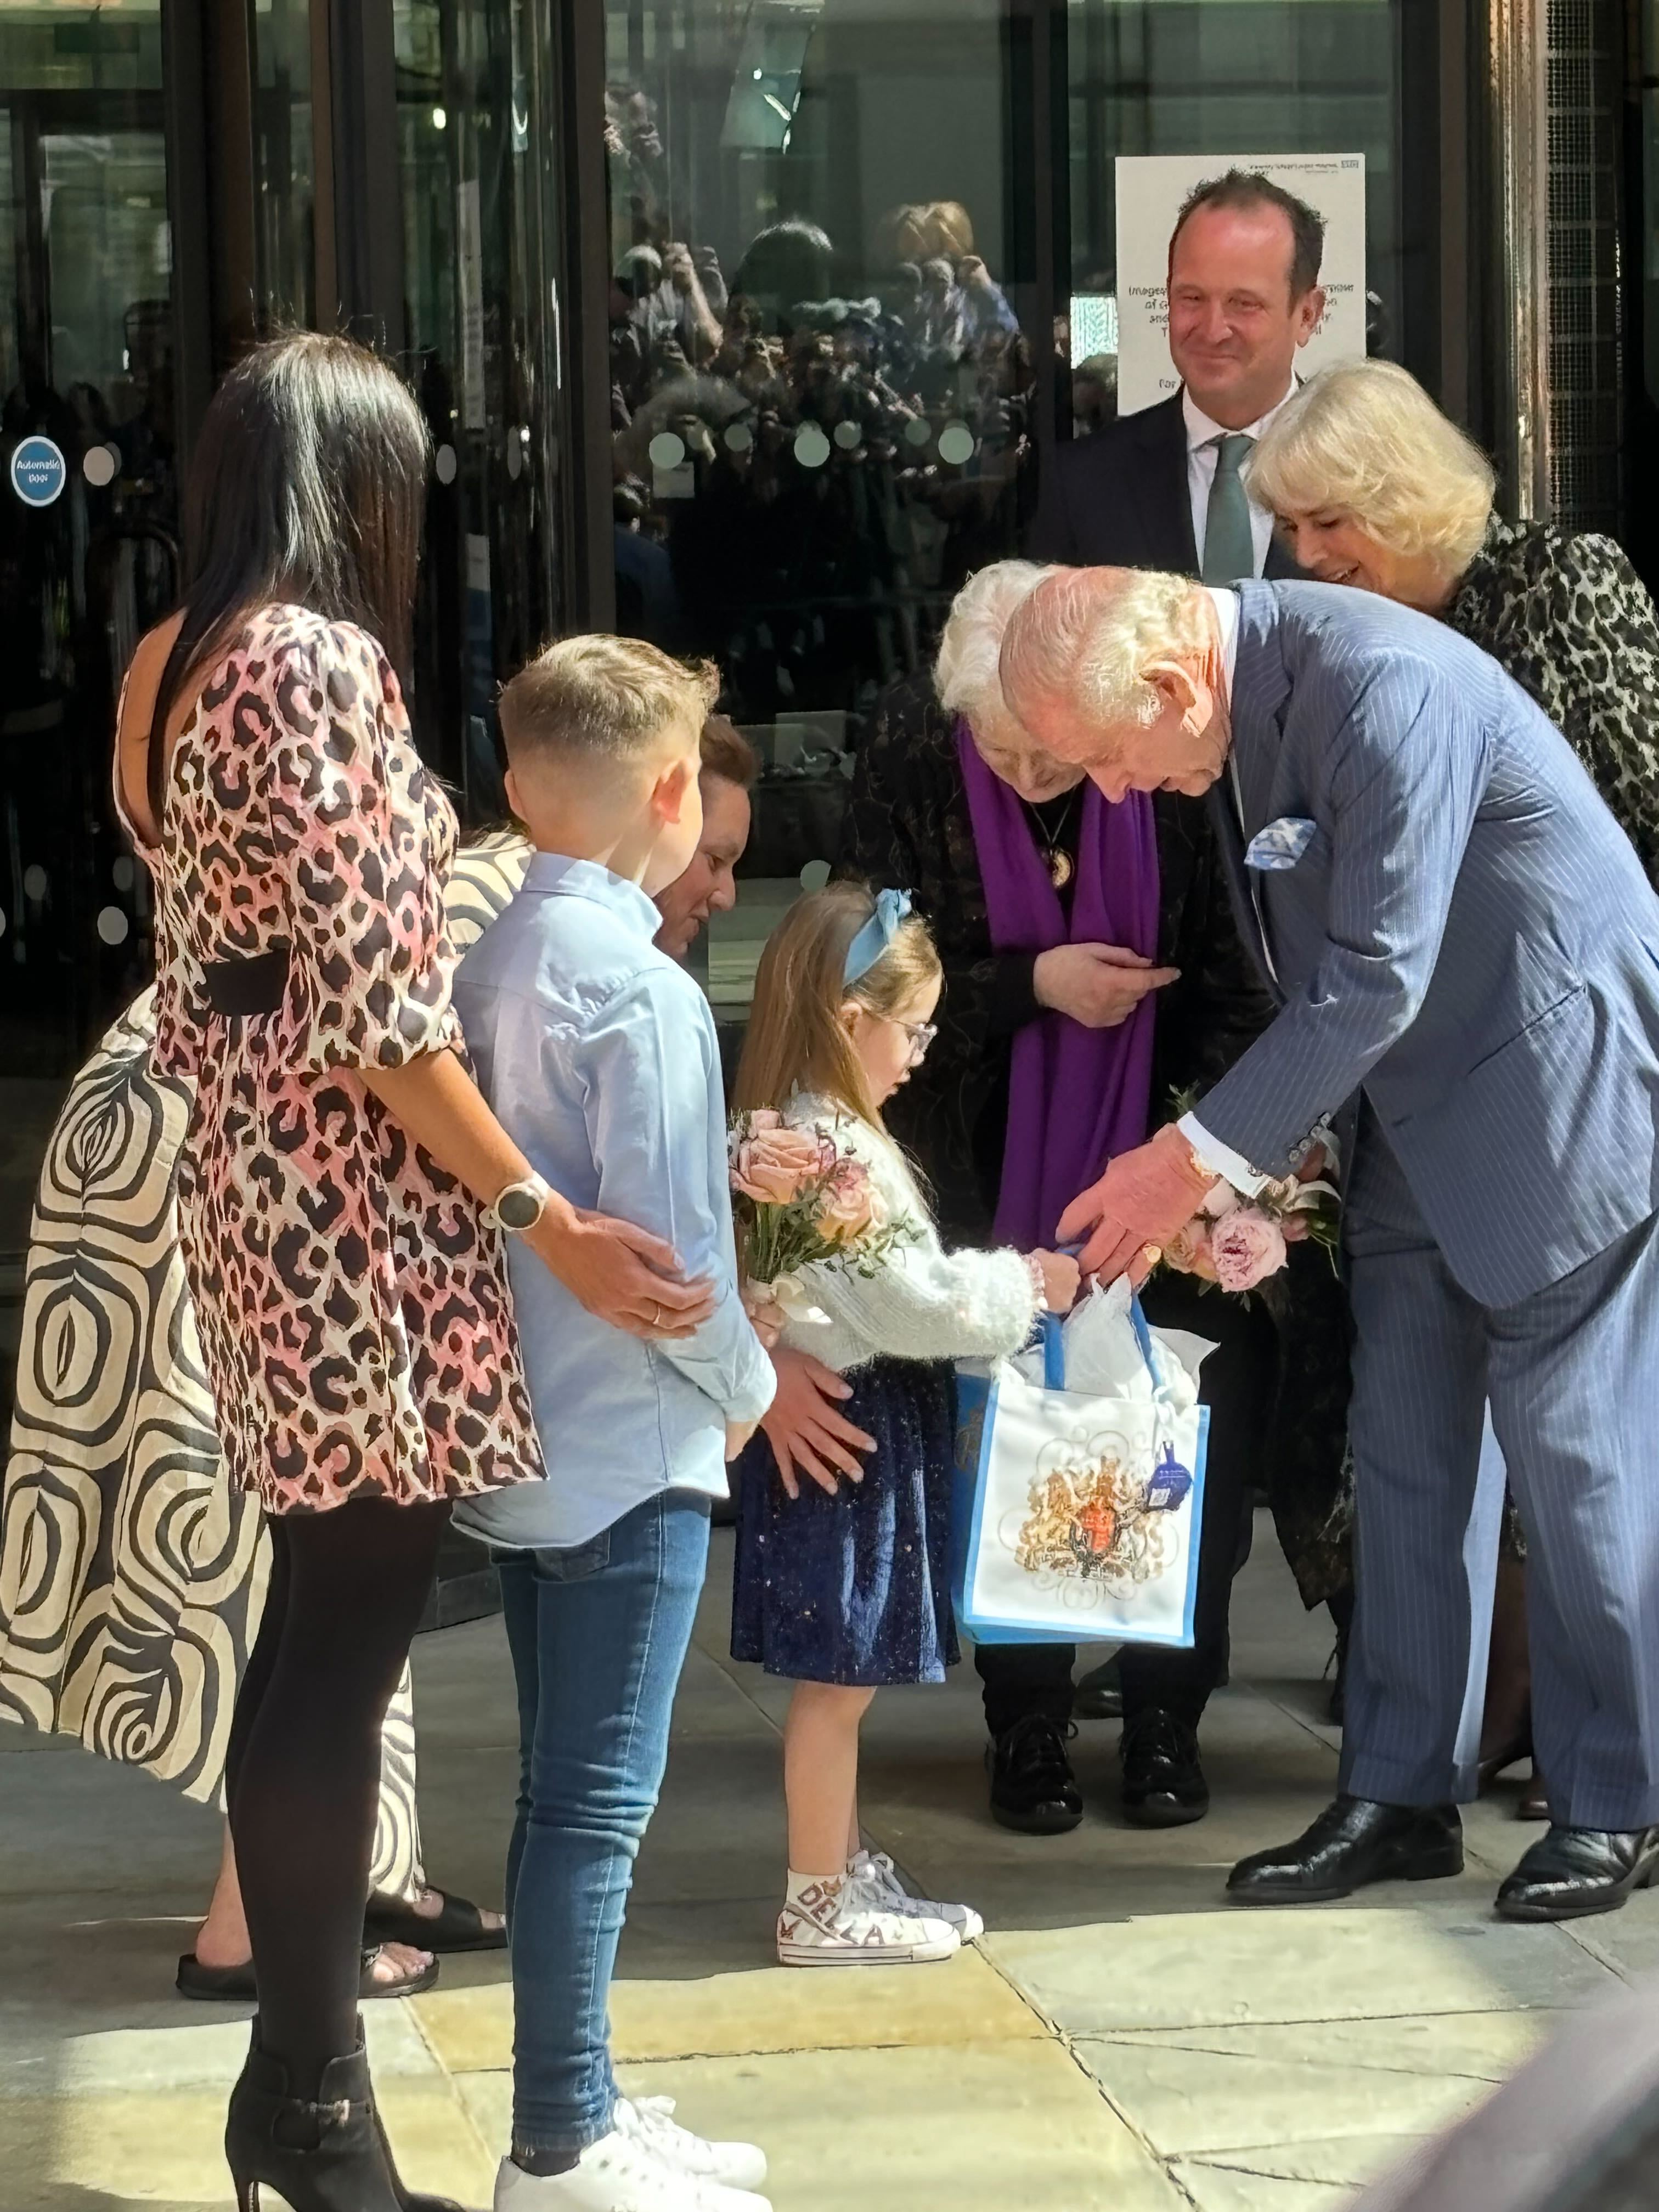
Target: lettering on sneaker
point(854, 1921)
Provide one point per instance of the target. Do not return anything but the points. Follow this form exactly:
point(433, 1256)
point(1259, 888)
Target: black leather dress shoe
point(1164, 1785)
point(1099, 1695)
point(1572, 1872)
point(1354, 1841)
point(1033, 1788)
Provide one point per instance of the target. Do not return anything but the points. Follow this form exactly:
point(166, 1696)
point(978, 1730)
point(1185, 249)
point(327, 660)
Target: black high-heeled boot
point(324, 2154)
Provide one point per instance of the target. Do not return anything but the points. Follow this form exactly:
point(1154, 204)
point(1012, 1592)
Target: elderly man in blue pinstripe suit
point(1461, 938)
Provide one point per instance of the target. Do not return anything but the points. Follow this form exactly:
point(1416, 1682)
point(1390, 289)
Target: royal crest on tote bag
point(1079, 1482)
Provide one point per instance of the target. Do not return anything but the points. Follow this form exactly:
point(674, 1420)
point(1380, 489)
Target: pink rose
point(1247, 1248)
point(852, 1205)
point(1189, 1251)
point(764, 1117)
point(774, 1165)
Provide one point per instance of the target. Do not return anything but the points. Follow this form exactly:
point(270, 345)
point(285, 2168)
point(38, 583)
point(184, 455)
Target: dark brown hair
point(728, 754)
point(1244, 188)
point(309, 485)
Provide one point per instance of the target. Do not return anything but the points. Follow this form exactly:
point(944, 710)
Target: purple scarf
point(1076, 1097)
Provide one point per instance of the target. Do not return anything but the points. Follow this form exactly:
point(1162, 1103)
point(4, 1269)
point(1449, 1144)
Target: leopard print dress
point(353, 1310)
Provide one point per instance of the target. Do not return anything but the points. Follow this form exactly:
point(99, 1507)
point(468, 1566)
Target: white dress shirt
point(1201, 457)
point(1221, 1159)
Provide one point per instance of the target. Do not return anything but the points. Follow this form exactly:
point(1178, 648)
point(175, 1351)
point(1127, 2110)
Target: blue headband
point(877, 934)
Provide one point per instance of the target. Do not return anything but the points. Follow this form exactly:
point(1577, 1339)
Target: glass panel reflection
point(87, 377)
point(472, 103)
point(820, 390)
point(285, 235)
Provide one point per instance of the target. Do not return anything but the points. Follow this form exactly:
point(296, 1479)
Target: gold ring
point(656, 1316)
point(1151, 1254)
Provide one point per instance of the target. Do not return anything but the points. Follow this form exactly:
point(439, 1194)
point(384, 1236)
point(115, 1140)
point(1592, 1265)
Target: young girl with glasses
point(843, 1587)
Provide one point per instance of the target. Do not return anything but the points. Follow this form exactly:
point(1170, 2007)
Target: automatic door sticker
point(39, 471)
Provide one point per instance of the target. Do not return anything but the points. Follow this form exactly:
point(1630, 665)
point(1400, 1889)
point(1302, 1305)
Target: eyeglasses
point(921, 1034)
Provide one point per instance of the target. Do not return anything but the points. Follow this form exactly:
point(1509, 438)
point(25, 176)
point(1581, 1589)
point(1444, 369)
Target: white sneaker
point(852, 1923)
point(619, 2173)
point(877, 1868)
point(651, 2119)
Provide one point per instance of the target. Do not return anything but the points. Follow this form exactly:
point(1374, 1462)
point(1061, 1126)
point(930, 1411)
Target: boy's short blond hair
point(605, 698)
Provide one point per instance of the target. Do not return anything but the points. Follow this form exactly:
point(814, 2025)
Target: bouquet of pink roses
point(797, 1199)
point(1239, 1241)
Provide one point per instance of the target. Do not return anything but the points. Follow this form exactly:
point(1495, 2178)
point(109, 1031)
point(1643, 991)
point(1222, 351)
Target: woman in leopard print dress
point(356, 1327)
point(1372, 486)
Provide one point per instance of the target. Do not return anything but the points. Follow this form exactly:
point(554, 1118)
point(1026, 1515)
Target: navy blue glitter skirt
point(855, 1589)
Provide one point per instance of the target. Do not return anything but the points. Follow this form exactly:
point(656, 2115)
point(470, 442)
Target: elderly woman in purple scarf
point(1093, 968)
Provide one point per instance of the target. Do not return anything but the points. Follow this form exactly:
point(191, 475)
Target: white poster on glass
point(1150, 190)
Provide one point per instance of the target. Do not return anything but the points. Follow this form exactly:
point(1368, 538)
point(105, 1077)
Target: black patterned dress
point(1569, 619)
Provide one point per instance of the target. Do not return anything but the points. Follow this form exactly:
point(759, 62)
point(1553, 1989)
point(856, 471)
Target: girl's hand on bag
point(1061, 1278)
point(737, 1434)
point(807, 1435)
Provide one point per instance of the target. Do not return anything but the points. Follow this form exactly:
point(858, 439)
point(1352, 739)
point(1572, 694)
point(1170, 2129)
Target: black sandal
point(459, 1927)
point(236, 1985)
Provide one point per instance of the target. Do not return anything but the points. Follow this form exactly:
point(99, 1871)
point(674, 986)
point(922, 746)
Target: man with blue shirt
point(598, 1053)
point(1461, 937)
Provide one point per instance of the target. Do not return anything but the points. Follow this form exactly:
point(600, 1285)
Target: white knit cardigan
point(922, 1302)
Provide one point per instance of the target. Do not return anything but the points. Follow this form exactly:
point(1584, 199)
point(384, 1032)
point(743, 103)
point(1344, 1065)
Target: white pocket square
point(1282, 844)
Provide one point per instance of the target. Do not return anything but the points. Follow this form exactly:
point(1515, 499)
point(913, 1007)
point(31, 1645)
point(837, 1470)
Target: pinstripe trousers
point(1572, 1375)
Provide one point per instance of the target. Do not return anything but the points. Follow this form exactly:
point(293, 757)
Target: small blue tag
point(1168, 1486)
point(1282, 844)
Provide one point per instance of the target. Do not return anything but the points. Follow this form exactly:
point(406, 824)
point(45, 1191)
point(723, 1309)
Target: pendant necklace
point(1059, 862)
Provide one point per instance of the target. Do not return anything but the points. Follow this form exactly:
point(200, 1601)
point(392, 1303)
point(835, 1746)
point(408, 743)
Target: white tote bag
point(1076, 1517)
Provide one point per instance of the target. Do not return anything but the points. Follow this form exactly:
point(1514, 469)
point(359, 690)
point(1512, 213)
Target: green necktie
point(1229, 546)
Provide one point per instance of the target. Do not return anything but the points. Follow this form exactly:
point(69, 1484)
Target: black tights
point(302, 1766)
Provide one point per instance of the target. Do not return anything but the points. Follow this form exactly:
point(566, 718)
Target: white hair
point(965, 671)
point(1365, 439)
point(1090, 635)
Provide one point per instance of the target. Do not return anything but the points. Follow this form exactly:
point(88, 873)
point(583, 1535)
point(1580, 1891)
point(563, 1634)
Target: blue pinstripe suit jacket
point(1468, 937)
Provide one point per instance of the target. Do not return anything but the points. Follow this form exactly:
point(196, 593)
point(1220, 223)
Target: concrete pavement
point(1121, 2039)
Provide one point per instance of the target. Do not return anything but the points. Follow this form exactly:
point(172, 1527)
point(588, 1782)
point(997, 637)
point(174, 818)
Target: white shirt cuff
point(1220, 1159)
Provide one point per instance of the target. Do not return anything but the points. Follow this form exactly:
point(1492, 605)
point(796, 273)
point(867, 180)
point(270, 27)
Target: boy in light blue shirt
point(599, 1056)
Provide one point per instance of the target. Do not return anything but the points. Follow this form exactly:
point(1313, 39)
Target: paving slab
point(1195, 2102)
point(976, 2128)
point(1297, 1963)
point(1124, 2040)
point(1481, 2047)
point(1224, 2189)
point(963, 2000)
point(1342, 2163)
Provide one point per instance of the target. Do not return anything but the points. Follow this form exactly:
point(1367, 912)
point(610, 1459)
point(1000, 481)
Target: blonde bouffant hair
point(1365, 439)
point(795, 1040)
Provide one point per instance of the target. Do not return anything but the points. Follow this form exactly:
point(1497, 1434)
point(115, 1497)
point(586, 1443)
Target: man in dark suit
point(1162, 489)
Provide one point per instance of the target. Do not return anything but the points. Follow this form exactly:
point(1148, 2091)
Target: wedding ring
point(1151, 1254)
point(656, 1316)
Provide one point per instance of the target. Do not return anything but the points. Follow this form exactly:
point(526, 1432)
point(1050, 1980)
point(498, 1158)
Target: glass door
point(89, 505)
point(477, 151)
point(822, 322)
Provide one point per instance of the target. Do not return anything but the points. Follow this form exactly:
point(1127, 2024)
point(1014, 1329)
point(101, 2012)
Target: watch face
point(518, 1208)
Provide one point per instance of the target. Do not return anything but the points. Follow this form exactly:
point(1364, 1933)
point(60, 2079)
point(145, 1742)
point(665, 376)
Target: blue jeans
point(599, 1634)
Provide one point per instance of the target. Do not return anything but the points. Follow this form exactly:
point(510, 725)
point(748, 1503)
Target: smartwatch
point(521, 1205)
